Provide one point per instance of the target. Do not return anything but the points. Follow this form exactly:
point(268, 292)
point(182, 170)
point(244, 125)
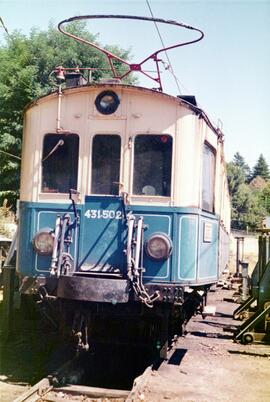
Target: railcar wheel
point(248, 338)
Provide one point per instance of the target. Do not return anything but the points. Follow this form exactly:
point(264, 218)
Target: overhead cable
point(3, 25)
point(169, 68)
point(8, 154)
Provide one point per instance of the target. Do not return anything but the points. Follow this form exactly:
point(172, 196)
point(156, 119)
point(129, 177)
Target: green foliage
point(265, 196)
point(25, 66)
point(261, 169)
point(239, 161)
point(247, 209)
point(250, 194)
point(236, 177)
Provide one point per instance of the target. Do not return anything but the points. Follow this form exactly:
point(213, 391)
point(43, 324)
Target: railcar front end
point(124, 207)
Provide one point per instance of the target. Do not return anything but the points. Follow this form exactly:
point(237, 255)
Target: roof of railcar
point(85, 88)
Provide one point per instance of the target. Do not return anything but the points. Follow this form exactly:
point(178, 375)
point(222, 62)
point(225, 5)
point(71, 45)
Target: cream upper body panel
point(140, 111)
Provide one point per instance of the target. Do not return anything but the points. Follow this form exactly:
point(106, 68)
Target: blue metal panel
point(47, 219)
point(208, 250)
point(158, 271)
point(103, 230)
point(25, 253)
point(187, 248)
point(102, 238)
point(33, 217)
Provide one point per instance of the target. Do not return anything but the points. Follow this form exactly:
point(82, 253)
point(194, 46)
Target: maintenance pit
point(205, 365)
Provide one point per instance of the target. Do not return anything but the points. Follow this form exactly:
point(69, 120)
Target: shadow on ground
point(33, 351)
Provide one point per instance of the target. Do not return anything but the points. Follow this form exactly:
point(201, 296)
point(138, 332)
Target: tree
point(25, 66)
point(266, 198)
point(236, 177)
point(257, 184)
point(249, 202)
point(261, 169)
point(247, 209)
point(239, 161)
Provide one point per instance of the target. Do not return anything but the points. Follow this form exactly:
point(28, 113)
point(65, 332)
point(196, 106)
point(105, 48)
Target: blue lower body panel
point(195, 238)
point(100, 240)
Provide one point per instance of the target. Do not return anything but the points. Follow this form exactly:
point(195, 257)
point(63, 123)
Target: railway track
point(55, 387)
point(45, 391)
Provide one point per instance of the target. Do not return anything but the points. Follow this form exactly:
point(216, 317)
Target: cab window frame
point(53, 181)
point(149, 189)
point(114, 183)
point(208, 189)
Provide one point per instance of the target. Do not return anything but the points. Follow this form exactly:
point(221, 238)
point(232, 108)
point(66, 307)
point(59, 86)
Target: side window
point(152, 165)
point(106, 151)
point(60, 163)
point(208, 178)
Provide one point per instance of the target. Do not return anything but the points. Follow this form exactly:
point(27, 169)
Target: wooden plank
point(52, 397)
point(93, 391)
point(43, 391)
point(35, 392)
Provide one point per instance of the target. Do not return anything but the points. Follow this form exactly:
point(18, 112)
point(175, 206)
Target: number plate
point(103, 214)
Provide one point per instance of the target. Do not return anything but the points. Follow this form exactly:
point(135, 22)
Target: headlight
point(43, 242)
point(158, 246)
point(107, 102)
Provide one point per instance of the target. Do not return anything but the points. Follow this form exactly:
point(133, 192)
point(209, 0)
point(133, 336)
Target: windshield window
point(60, 163)
point(208, 178)
point(106, 164)
point(152, 165)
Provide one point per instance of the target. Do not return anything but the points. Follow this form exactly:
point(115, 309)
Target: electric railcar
point(124, 208)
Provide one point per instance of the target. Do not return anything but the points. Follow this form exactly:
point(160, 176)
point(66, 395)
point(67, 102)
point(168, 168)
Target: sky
point(228, 71)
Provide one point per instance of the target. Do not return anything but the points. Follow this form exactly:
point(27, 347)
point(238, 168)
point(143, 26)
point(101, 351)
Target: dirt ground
point(9, 391)
point(208, 366)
